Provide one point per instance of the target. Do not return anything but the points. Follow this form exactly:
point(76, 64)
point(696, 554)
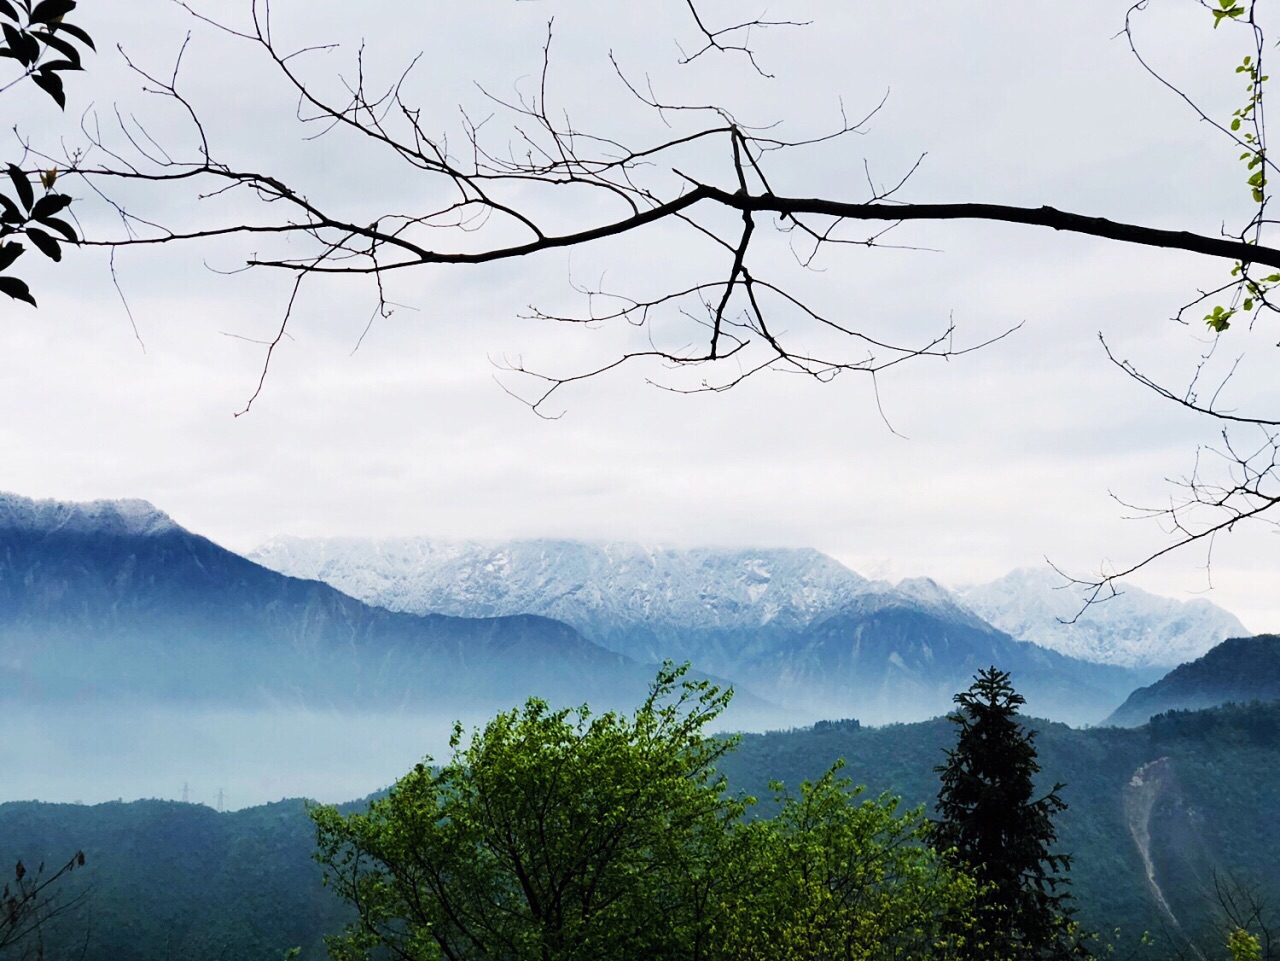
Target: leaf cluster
point(37, 38)
point(561, 836)
point(1247, 128)
point(43, 44)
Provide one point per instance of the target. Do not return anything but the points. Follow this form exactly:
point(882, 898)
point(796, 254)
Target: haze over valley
point(139, 656)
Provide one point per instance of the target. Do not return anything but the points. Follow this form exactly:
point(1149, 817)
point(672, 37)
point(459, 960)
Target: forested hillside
point(163, 878)
point(1239, 670)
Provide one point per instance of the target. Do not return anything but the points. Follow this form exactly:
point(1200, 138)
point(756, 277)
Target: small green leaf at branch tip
point(1220, 319)
point(1227, 12)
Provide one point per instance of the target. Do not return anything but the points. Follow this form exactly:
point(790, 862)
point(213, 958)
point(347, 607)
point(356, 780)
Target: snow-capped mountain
point(794, 625)
point(111, 602)
point(649, 602)
point(106, 517)
point(1132, 629)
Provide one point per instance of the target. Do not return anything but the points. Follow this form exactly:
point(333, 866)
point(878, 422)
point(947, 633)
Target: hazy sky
point(999, 459)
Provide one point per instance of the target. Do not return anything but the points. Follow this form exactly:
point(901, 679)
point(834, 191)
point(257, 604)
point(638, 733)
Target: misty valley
point(169, 703)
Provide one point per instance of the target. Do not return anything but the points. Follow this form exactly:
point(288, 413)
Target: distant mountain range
point(114, 602)
point(1239, 670)
point(114, 619)
point(689, 603)
point(794, 626)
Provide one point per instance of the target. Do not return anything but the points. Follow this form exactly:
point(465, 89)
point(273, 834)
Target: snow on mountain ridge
point(590, 586)
point(920, 593)
point(601, 589)
point(128, 516)
point(1132, 629)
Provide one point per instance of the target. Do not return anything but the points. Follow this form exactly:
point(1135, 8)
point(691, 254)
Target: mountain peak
point(592, 586)
point(117, 517)
point(1133, 629)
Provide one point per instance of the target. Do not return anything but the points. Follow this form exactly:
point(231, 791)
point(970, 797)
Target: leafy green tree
point(1244, 946)
point(559, 835)
point(991, 824)
point(835, 877)
point(39, 42)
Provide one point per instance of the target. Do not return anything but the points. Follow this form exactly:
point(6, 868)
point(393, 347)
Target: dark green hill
point(171, 880)
point(1209, 811)
point(1239, 670)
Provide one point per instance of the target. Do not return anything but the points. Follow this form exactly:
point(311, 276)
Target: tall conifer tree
point(991, 824)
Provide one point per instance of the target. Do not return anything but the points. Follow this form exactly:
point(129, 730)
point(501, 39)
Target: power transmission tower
point(219, 799)
point(186, 793)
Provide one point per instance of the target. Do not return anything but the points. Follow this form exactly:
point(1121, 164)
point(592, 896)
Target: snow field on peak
point(1133, 629)
point(117, 517)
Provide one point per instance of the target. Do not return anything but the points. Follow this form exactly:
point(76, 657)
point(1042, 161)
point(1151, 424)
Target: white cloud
point(1012, 450)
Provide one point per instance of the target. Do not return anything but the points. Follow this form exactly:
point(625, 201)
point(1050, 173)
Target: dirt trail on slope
point(1140, 795)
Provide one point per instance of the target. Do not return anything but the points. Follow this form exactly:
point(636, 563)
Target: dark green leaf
point(9, 253)
point(11, 213)
point(51, 84)
point(7, 9)
point(16, 289)
point(22, 185)
point(62, 227)
point(78, 34)
point(46, 244)
point(64, 47)
point(50, 204)
point(15, 40)
point(30, 49)
point(55, 65)
point(47, 11)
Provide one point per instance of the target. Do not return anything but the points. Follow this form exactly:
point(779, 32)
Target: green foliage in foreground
point(171, 880)
point(562, 835)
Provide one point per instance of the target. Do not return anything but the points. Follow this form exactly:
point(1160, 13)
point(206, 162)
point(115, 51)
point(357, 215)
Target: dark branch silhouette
point(526, 180)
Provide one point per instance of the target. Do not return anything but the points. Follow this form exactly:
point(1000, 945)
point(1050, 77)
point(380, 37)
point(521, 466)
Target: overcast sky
point(995, 460)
